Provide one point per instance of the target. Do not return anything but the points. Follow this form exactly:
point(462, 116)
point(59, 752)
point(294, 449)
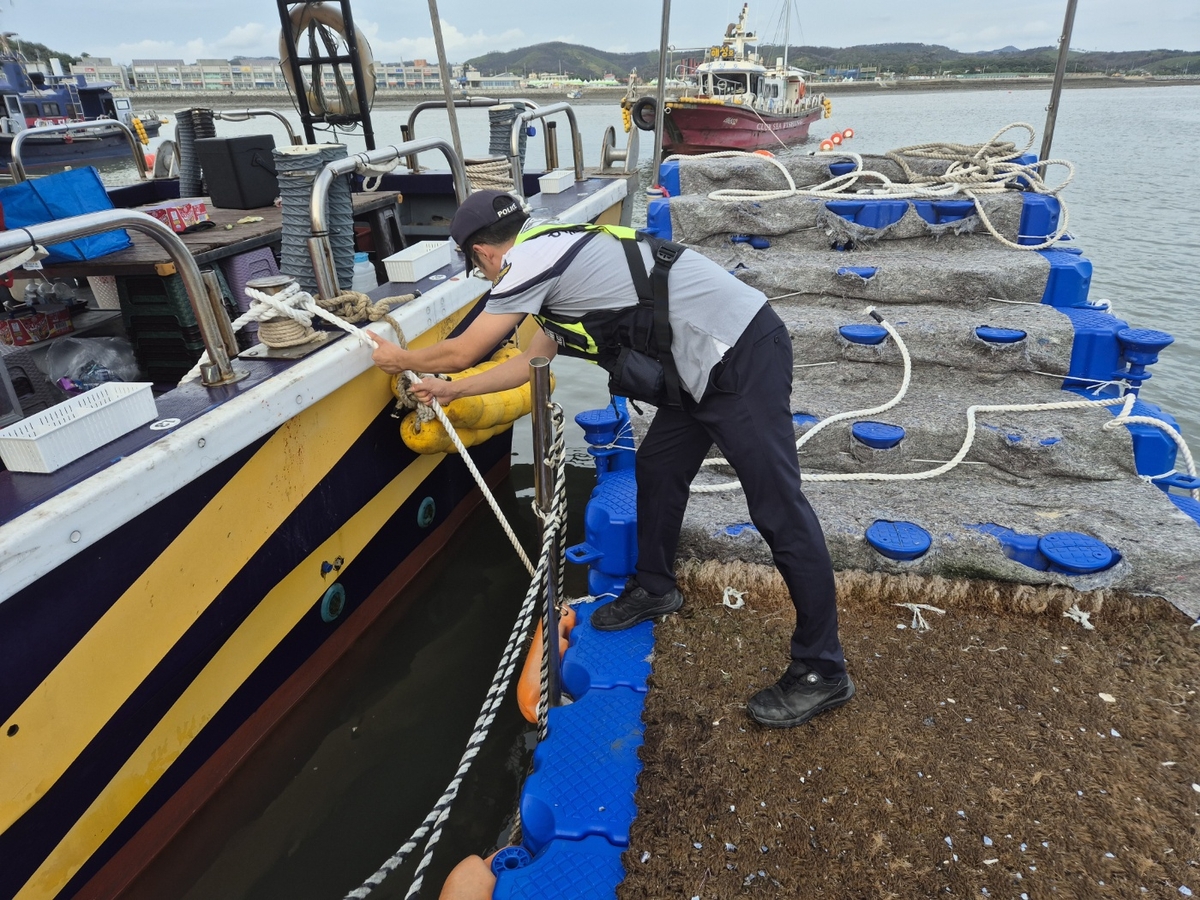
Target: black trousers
point(747, 413)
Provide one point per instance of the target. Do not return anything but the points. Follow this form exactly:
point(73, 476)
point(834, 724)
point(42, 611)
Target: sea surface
point(359, 763)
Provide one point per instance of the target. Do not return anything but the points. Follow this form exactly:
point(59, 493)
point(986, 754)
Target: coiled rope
point(432, 825)
point(489, 174)
point(975, 171)
point(285, 319)
point(1121, 419)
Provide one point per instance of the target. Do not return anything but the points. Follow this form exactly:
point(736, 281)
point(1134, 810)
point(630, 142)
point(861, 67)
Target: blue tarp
point(60, 196)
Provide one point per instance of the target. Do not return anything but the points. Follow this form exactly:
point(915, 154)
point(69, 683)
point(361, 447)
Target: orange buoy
point(826, 145)
point(848, 133)
point(766, 153)
point(471, 879)
point(529, 687)
point(150, 160)
point(835, 138)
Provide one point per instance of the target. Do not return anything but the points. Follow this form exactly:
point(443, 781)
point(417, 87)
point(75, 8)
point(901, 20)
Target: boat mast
point(787, 28)
point(1060, 71)
point(444, 70)
point(661, 105)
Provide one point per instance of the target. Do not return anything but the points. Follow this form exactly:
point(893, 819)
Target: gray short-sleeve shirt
point(573, 273)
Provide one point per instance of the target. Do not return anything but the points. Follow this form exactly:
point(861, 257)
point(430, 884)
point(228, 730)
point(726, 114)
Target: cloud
point(249, 39)
point(459, 45)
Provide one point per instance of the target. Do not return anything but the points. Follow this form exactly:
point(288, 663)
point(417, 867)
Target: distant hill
point(574, 60)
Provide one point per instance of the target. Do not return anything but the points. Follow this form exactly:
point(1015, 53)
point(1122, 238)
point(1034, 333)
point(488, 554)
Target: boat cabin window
point(724, 85)
point(49, 108)
point(30, 110)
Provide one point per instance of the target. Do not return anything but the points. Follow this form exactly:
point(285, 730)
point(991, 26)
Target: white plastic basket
point(48, 440)
point(104, 289)
point(415, 262)
point(557, 181)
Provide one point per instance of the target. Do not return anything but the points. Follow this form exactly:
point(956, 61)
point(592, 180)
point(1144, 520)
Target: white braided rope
point(292, 303)
point(1122, 418)
point(437, 816)
point(840, 417)
point(373, 173)
point(470, 464)
point(489, 174)
point(976, 170)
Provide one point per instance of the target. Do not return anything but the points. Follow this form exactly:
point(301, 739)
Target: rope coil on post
point(285, 319)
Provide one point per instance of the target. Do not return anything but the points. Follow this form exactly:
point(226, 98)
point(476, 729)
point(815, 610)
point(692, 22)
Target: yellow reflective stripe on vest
point(555, 328)
point(572, 335)
point(618, 231)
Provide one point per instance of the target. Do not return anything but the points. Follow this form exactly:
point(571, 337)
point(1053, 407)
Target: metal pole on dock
point(444, 69)
point(1060, 72)
point(660, 107)
point(543, 481)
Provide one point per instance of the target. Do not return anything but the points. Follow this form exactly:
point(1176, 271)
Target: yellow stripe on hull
point(83, 692)
point(270, 622)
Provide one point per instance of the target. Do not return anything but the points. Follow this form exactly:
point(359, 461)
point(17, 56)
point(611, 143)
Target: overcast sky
point(190, 29)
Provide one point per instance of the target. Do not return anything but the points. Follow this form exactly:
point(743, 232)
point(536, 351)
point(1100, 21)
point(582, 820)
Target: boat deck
point(442, 292)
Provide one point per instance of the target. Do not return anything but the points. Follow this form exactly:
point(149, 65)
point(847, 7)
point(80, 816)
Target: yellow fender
point(475, 419)
point(432, 438)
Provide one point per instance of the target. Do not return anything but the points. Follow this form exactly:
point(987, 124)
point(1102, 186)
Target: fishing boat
point(738, 102)
point(167, 596)
point(34, 99)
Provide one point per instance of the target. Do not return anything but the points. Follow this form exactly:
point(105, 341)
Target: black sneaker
point(798, 696)
point(634, 606)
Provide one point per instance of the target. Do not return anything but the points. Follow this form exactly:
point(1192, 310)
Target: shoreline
point(396, 99)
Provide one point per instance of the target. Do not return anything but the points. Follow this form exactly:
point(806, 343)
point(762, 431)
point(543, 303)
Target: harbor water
point(356, 766)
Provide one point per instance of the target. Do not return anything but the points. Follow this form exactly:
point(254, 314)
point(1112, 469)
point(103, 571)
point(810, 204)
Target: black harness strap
point(665, 254)
point(652, 291)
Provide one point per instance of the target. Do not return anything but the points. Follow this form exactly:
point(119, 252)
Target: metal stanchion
point(543, 480)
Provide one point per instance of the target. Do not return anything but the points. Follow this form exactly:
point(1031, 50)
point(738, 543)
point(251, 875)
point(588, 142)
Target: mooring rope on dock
point(1123, 418)
point(554, 524)
point(975, 171)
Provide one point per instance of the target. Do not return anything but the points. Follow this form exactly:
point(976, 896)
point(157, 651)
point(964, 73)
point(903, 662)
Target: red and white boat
point(738, 103)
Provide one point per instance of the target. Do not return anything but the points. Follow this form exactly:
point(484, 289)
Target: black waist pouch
point(637, 376)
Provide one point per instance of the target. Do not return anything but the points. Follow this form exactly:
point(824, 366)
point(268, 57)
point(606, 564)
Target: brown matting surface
point(982, 758)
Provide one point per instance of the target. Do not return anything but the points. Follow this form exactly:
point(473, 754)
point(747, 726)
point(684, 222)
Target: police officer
point(675, 329)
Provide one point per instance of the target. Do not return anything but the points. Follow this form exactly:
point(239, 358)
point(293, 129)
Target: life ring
point(644, 106)
point(312, 14)
point(68, 138)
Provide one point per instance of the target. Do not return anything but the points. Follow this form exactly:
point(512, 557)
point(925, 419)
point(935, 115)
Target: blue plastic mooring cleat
point(899, 540)
point(877, 435)
point(864, 334)
point(999, 335)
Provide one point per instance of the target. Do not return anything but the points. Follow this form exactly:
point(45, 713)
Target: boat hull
point(85, 148)
point(711, 128)
point(211, 615)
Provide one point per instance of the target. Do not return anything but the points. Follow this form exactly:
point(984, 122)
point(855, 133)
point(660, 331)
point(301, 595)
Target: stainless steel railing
point(243, 115)
point(319, 247)
point(204, 305)
point(17, 169)
point(514, 145)
point(408, 131)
